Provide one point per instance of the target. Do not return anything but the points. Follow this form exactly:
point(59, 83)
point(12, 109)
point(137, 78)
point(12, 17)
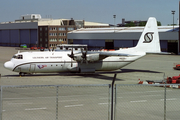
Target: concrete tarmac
point(89, 102)
point(150, 67)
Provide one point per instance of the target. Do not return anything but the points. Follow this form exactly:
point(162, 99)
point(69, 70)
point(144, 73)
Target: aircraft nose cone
point(8, 65)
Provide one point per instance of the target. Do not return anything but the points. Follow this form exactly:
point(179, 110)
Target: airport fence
point(90, 102)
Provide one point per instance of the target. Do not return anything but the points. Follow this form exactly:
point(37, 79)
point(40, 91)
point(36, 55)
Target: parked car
point(41, 48)
point(33, 48)
point(23, 46)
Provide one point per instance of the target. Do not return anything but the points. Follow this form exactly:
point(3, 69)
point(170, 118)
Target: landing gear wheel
point(21, 74)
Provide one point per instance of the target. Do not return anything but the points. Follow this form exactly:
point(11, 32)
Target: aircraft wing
point(111, 53)
point(92, 56)
point(160, 53)
point(104, 53)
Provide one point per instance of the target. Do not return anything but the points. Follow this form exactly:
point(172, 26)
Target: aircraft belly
point(90, 64)
point(113, 65)
point(72, 67)
point(105, 65)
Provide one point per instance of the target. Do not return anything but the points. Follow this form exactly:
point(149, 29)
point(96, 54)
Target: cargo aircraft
point(83, 61)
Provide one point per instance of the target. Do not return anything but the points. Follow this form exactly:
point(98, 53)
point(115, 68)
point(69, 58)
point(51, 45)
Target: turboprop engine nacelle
point(89, 58)
point(92, 57)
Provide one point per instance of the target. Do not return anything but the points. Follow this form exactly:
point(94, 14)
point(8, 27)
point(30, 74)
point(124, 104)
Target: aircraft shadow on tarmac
point(137, 70)
point(76, 75)
point(97, 75)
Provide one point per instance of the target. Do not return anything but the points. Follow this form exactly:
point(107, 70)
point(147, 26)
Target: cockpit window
point(14, 56)
point(18, 57)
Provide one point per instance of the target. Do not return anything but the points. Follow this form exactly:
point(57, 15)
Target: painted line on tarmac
point(78, 105)
point(44, 108)
point(16, 98)
point(169, 99)
point(19, 103)
point(153, 91)
point(68, 100)
point(104, 98)
point(138, 101)
point(108, 98)
point(26, 98)
point(149, 95)
point(119, 97)
point(103, 103)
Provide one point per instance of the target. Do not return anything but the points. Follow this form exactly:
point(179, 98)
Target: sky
point(92, 10)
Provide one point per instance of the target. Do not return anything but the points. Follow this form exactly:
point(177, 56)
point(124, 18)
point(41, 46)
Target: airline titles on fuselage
point(54, 57)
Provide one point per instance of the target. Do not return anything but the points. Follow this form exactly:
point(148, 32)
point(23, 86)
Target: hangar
point(33, 30)
point(46, 32)
point(122, 37)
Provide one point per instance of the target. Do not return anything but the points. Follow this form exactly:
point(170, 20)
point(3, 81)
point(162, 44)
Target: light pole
point(173, 12)
point(114, 16)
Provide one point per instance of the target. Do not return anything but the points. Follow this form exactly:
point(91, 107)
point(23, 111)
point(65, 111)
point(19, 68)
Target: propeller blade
point(84, 56)
point(71, 55)
point(71, 62)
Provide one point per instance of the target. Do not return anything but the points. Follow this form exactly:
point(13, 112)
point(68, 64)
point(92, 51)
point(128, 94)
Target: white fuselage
point(59, 61)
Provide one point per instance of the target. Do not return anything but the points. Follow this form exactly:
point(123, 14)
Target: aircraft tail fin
point(149, 40)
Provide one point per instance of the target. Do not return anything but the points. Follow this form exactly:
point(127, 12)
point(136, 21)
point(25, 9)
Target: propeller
point(71, 56)
point(84, 55)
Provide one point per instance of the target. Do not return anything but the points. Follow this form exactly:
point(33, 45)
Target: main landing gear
point(22, 74)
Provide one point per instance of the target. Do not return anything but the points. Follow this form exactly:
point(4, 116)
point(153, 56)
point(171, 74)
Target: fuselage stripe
point(65, 62)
